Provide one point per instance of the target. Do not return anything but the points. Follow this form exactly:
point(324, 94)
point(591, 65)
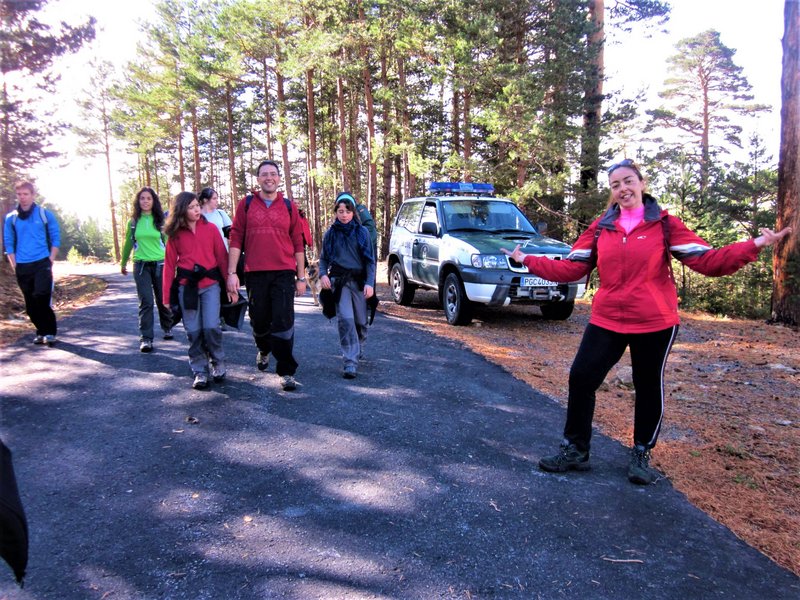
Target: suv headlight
point(489, 261)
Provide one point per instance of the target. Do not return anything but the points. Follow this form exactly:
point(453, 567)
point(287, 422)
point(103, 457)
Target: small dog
point(312, 277)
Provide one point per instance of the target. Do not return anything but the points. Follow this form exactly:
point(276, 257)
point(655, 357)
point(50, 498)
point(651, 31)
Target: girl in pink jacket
point(635, 307)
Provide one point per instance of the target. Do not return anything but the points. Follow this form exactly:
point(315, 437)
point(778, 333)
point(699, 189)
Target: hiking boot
point(262, 360)
point(568, 458)
point(50, 340)
point(200, 381)
point(218, 373)
point(288, 383)
point(38, 340)
point(639, 470)
point(168, 335)
point(146, 346)
point(349, 372)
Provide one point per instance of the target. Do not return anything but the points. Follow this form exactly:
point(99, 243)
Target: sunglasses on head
point(623, 163)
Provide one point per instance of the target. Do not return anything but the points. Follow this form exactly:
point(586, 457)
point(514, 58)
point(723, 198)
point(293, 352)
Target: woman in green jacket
point(144, 237)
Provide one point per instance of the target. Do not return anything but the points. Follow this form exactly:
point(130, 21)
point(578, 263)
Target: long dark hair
point(177, 213)
point(158, 212)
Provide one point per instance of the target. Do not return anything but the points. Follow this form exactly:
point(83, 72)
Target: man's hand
point(368, 291)
point(299, 287)
point(232, 284)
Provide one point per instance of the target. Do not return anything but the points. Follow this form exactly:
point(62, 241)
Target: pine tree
point(28, 51)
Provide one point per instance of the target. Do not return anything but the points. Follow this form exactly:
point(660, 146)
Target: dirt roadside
point(731, 434)
point(730, 440)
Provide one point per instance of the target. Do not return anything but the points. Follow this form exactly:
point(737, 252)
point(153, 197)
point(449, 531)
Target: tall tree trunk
point(705, 159)
point(354, 150)
point(231, 158)
point(387, 156)
point(111, 203)
point(467, 135)
point(287, 166)
point(402, 96)
point(267, 112)
point(342, 132)
point(593, 100)
point(456, 115)
point(786, 256)
point(198, 182)
point(312, 191)
point(372, 187)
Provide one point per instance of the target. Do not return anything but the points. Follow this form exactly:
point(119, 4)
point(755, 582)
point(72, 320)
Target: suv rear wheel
point(457, 307)
point(557, 311)
point(402, 291)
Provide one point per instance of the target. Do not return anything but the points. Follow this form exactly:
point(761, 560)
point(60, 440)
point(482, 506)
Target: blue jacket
point(27, 238)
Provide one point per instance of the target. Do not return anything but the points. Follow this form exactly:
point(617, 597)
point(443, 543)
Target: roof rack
point(454, 188)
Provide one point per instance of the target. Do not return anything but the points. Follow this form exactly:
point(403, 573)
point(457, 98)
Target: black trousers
point(600, 350)
point(271, 306)
point(36, 282)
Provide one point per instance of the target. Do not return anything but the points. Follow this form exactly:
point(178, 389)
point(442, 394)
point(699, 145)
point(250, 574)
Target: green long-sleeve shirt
point(149, 243)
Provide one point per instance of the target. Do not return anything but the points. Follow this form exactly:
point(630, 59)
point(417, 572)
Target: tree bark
point(387, 157)
point(198, 183)
point(313, 194)
point(372, 168)
point(287, 166)
point(593, 100)
point(267, 112)
point(786, 255)
point(342, 132)
point(231, 160)
point(467, 135)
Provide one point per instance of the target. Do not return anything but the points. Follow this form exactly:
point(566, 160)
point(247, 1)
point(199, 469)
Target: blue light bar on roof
point(450, 187)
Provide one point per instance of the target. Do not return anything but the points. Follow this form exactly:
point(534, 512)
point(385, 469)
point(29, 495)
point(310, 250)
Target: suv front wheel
point(457, 307)
point(402, 291)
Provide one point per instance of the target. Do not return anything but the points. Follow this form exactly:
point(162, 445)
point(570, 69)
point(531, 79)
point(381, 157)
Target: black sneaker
point(349, 372)
point(38, 340)
point(639, 470)
point(262, 360)
point(146, 346)
point(168, 335)
point(569, 458)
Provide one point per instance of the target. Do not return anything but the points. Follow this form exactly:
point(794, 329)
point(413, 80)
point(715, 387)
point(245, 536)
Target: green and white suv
point(450, 241)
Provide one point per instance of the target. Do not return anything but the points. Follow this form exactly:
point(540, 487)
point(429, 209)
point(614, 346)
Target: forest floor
point(731, 434)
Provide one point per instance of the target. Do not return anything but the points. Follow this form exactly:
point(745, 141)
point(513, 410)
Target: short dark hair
point(267, 162)
point(205, 194)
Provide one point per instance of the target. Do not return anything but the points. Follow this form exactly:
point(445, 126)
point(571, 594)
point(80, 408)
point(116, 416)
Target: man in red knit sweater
point(268, 228)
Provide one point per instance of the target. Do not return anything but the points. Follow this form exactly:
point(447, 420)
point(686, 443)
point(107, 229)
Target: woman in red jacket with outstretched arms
point(636, 307)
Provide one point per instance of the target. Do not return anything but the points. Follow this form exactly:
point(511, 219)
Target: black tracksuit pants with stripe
point(600, 350)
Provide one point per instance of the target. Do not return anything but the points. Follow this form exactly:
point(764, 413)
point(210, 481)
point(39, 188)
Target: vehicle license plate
point(537, 282)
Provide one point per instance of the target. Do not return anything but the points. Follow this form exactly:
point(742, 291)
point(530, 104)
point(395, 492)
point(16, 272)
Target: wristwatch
point(231, 272)
point(303, 279)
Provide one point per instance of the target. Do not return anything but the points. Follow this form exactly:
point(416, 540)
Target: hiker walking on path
point(208, 199)
point(144, 236)
point(267, 227)
point(195, 259)
point(636, 306)
point(31, 238)
point(347, 266)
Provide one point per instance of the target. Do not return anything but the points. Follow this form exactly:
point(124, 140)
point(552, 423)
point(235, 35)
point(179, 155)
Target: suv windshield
point(484, 215)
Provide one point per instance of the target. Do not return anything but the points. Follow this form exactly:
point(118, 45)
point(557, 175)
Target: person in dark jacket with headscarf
point(347, 266)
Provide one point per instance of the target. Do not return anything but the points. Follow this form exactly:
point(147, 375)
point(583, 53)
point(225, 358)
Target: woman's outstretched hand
point(517, 254)
point(769, 237)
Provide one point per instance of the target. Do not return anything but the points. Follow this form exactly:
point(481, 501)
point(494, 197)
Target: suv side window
point(429, 215)
point(408, 217)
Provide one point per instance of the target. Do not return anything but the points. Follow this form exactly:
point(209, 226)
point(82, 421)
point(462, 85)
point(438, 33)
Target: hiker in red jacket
point(636, 306)
point(267, 228)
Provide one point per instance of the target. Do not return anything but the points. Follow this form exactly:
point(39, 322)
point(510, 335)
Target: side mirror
point(430, 228)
